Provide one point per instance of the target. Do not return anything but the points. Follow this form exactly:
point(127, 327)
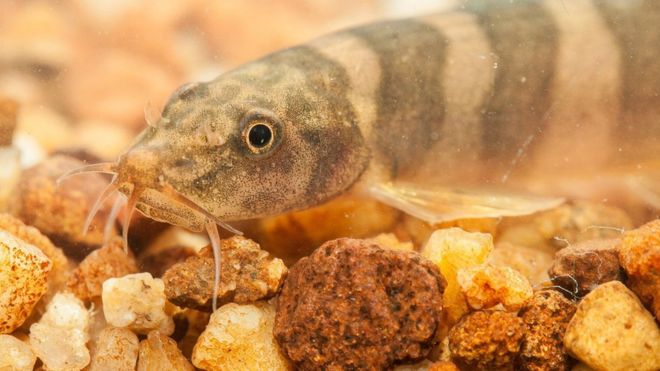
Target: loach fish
point(496, 108)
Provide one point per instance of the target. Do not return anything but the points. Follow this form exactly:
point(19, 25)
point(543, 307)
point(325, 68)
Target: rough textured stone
point(248, 274)
point(15, 355)
point(532, 262)
point(580, 268)
point(452, 249)
point(545, 317)
point(611, 330)
point(136, 301)
point(59, 212)
point(158, 263)
point(159, 352)
point(486, 340)
point(116, 349)
point(390, 241)
point(23, 280)
point(582, 221)
point(640, 258)
point(59, 338)
point(485, 286)
point(110, 261)
point(353, 304)
point(195, 323)
point(60, 264)
point(240, 337)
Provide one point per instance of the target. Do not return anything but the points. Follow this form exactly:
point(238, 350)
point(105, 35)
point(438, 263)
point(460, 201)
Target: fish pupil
point(260, 135)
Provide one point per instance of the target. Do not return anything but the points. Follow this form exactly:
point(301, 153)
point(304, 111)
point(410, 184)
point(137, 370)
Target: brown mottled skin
point(520, 113)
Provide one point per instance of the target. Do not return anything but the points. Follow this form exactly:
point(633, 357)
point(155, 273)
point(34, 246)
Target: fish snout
point(140, 167)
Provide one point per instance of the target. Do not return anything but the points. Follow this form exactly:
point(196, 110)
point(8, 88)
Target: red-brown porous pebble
point(580, 268)
point(247, 273)
point(110, 261)
point(486, 340)
point(60, 211)
point(545, 317)
point(640, 258)
point(354, 305)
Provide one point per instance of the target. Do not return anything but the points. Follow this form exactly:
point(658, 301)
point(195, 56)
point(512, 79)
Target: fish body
point(418, 112)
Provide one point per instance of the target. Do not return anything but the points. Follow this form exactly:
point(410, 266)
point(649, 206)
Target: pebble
point(419, 231)
point(59, 212)
point(353, 304)
point(116, 349)
point(23, 280)
point(390, 241)
point(137, 301)
point(97, 324)
point(562, 226)
point(545, 317)
point(485, 286)
point(60, 270)
point(248, 274)
point(580, 268)
point(160, 352)
point(240, 337)
point(195, 323)
point(486, 340)
point(351, 216)
point(640, 258)
point(582, 221)
point(110, 261)
point(159, 262)
point(16, 355)
point(59, 338)
point(452, 249)
point(532, 262)
point(611, 330)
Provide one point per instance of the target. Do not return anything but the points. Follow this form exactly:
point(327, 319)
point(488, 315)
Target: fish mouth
point(163, 204)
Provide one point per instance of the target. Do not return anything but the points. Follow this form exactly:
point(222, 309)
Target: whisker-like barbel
point(130, 208)
point(102, 167)
point(100, 200)
point(214, 236)
point(176, 196)
point(112, 218)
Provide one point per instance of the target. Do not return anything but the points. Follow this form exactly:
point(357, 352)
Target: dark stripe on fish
point(410, 102)
point(524, 39)
point(636, 29)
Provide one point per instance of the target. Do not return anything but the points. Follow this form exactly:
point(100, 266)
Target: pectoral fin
point(440, 204)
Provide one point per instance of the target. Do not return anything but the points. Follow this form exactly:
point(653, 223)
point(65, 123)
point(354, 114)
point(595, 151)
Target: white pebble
point(15, 355)
point(137, 301)
point(59, 338)
point(240, 337)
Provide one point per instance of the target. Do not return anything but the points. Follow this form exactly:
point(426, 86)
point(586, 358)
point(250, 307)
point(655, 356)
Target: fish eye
point(261, 131)
point(260, 135)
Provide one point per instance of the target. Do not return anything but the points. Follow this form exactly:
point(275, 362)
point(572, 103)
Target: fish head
point(220, 152)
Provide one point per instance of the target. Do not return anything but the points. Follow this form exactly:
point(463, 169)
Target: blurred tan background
point(86, 72)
